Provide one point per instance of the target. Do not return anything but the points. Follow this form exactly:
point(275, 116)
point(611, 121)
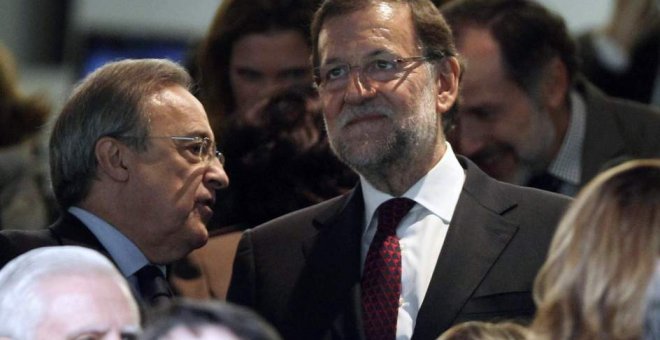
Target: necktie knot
point(391, 212)
point(153, 286)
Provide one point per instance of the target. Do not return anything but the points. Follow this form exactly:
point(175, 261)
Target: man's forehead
point(484, 64)
point(382, 26)
point(476, 40)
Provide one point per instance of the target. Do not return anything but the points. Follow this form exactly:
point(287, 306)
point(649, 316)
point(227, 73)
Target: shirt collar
point(567, 166)
point(444, 180)
point(124, 252)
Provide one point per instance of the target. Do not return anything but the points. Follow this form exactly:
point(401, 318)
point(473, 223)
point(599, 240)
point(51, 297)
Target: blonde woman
point(602, 258)
point(480, 330)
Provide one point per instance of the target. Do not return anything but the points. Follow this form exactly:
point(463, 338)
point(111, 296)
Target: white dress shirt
point(421, 232)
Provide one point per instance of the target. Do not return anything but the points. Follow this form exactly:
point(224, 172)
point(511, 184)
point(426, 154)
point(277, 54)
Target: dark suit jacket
point(617, 130)
point(67, 230)
point(302, 271)
point(635, 83)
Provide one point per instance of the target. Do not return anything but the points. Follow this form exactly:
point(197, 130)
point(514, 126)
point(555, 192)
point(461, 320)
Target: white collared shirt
point(421, 232)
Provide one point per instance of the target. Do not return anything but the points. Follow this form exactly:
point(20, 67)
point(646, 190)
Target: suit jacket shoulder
point(617, 130)
point(287, 268)
point(67, 230)
point(497, 240)
point(16, 242)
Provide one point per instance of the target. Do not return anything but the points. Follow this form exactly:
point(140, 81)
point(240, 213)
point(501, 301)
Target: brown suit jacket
point(302, 271)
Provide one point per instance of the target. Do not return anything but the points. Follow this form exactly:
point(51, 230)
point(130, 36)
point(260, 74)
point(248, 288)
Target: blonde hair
point(479, 330)
point(602, 257)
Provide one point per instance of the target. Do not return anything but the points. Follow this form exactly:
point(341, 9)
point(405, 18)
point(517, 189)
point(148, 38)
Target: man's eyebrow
point(102, 330)
point(242, 68)
point(196, 133)
point(379, 52)
point(96, 331)
point(376, 52)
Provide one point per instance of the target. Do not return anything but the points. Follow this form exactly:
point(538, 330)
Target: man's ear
point(555, 84)
point(447, 79)
point(112, 158)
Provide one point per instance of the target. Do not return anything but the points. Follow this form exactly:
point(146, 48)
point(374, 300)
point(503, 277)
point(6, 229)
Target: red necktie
point(381, 279)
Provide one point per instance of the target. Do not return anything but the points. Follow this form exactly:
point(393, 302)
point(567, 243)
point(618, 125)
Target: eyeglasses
point(202, 147)
point(336, 76)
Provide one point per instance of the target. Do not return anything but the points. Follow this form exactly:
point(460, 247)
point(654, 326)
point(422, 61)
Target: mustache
point(355, 112)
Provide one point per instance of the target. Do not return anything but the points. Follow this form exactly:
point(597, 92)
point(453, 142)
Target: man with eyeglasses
point(425, 240)
point(134, 169)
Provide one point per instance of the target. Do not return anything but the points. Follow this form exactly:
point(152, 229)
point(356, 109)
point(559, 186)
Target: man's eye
point(336, 72)
point(381, 65)
point(249, 75)
point(195, 148)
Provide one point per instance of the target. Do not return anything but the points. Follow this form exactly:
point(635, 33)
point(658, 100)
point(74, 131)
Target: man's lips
point(205, 208)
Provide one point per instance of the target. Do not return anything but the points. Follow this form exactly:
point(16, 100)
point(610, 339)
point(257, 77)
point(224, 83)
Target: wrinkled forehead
point(381, 27)
point(175, 111)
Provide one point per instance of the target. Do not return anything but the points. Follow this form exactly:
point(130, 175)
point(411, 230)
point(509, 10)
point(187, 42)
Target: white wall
point(164, 17)
point(581, 14)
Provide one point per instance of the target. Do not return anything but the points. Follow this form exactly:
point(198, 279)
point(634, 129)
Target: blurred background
point(56, 42)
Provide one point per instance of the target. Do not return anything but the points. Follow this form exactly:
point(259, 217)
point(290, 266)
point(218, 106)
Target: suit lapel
point(331, 277)
point(477, 235)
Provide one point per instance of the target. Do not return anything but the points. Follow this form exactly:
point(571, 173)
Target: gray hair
point(110, 102)
point(21, 307)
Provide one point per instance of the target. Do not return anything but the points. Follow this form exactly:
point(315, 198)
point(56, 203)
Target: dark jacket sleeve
point(243, 279)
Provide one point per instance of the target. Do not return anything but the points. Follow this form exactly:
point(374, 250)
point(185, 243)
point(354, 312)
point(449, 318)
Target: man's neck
point(397, 177)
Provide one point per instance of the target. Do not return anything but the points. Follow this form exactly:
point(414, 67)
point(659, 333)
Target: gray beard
point(401, 152)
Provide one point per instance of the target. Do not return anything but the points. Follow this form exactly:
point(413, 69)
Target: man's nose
point(215, 177)
point(358, 88)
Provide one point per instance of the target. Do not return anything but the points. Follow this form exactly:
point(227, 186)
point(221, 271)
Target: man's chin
point(198, 235)
point(202, 237)
point(361, 155)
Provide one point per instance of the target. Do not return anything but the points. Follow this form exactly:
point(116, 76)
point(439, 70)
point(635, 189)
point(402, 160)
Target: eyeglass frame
point(203, 156)
point(319, 78)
